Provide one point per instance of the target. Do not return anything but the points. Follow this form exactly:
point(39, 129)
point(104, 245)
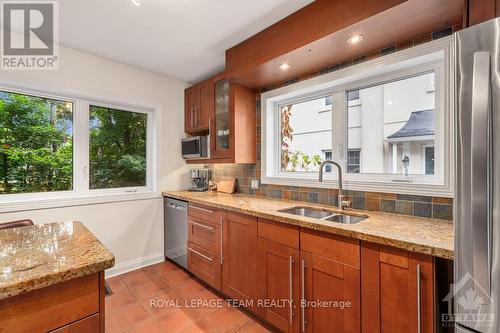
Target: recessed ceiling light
point(137, 3)
point(284, 66)
point(355, 39)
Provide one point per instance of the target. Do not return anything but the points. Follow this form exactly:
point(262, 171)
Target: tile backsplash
point(415, 205)
point(423, 206)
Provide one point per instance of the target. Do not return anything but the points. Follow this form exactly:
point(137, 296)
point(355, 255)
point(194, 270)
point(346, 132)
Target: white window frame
point(434, 56)
point(81, 194)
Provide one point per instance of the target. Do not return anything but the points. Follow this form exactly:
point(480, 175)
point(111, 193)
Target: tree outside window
point(36, 144)
point(306, 132)
point(117, 148)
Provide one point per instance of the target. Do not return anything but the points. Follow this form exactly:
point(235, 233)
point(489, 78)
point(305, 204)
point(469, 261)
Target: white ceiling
point(184, 39)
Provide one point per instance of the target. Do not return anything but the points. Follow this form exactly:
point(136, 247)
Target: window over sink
point(388, 122)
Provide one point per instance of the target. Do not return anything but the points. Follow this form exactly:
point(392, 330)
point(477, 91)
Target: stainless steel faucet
point(341, 202)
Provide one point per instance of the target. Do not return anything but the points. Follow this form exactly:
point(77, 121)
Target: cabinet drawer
point(205, 265)
point(204, 213)
point(338, 248)
point(87, 325)
point(48, 308)
point(279, 233)
point(204, 234)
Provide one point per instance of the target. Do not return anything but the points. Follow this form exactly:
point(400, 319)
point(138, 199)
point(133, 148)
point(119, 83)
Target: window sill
point(411, 188)
point(71, 200)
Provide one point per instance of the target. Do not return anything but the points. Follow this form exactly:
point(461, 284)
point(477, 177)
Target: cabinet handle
point(221, 240)
point(202, 209)
point(199, 254)
point(419, 300)
point(195, 116)
point(290, 263)
point(202, 226)
point(303, 297)
point(191, 120)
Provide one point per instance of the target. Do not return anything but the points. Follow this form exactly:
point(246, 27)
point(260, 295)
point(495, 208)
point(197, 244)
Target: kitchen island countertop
point(34, 257)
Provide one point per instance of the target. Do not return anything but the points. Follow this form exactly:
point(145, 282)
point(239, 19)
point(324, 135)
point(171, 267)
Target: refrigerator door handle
point(480, 169)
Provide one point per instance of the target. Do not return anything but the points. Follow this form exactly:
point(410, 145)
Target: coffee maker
point(199, 179)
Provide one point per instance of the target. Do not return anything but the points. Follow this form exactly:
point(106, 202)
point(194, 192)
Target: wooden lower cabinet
point(73, 306)
point(239, 256)
point(392, 282)
point(205, 234)
point(278, 285)
point(204, 264)
point(86, 325)
point(333, 283)
point(330, 295)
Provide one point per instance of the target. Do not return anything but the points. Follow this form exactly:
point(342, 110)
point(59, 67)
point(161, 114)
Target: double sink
point(323, 214)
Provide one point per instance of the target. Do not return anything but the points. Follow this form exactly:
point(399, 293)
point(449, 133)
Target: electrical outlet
point(254, 184)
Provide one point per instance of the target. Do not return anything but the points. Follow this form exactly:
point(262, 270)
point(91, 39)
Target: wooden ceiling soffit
point(311, 39)
point(314, 21)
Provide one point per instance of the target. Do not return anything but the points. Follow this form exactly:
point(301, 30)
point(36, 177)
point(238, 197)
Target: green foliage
point(297, 158)
point(36, 147)
point(117, 148)
point(291, 160)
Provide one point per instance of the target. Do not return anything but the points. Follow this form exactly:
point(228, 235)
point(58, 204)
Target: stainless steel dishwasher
point(176, 230)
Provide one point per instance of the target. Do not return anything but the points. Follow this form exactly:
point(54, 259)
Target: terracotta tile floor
point(163, 298)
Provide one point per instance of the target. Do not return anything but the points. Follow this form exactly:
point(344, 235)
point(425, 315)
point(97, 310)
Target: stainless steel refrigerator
point(477, 209)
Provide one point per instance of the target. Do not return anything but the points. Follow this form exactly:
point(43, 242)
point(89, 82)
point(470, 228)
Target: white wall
point(132, 230)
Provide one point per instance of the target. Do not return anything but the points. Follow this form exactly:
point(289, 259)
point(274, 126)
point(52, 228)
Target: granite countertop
point(417, 234)
point(39, 256)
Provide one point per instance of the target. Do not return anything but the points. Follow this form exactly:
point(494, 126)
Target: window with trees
point(306, 132)
point(52, 144)
point(117, 148)
point(36, 144)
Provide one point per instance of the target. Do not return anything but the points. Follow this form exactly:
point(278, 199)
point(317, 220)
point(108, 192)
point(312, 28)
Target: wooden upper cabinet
point(191, 102)
point(225, 111)
point(239, 256)
point(233, 136)
point(392, 281)
point(199, 106)
point(479, 11)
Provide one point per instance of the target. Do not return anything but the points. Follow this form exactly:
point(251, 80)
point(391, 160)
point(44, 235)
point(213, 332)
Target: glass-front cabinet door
point(221, 130)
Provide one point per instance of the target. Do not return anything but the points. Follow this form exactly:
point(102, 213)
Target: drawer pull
point(200, 254)
point(202, 226)
point(290, 272)
point(202, 209)
point(221, 240)
point(303, 297)
point(419, 299)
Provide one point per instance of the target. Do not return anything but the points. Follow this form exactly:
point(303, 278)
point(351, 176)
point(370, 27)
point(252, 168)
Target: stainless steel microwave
point(196, 147)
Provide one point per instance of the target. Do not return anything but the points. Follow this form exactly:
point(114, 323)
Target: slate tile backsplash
point(423, 206)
